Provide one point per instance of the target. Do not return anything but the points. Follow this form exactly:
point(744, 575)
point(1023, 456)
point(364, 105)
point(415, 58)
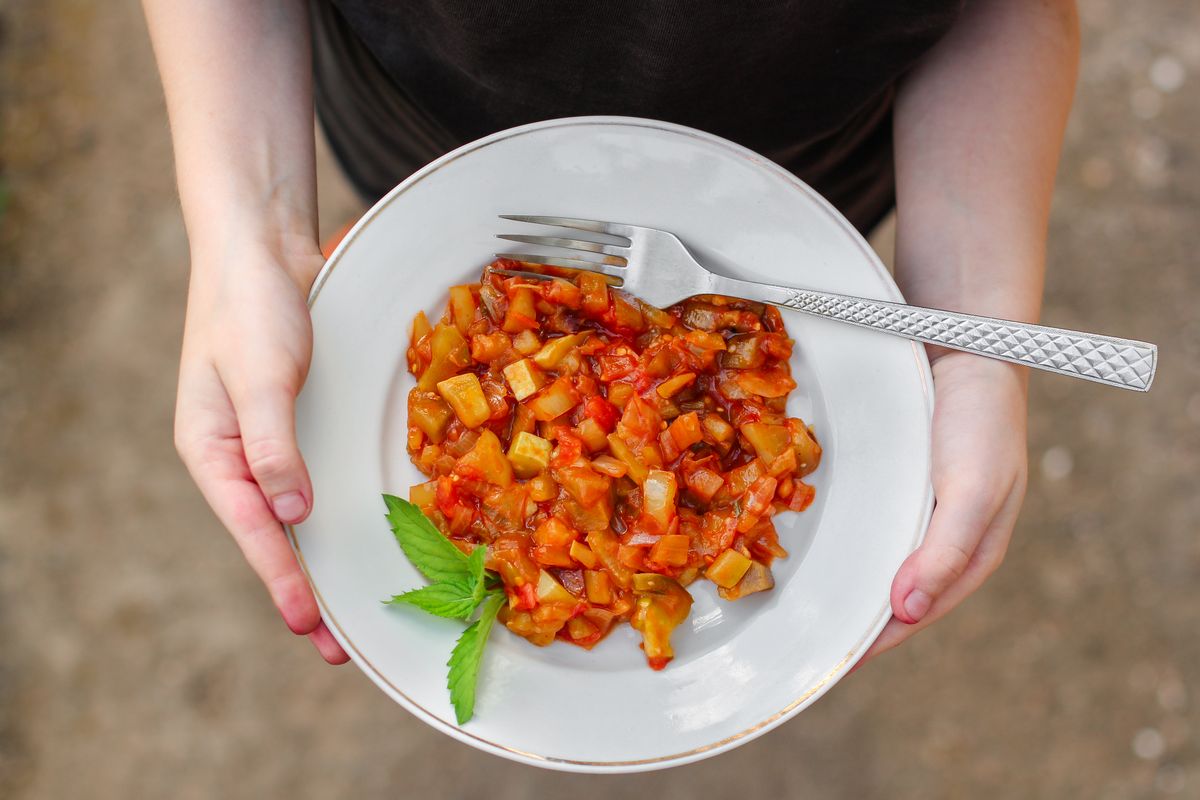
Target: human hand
point(979, 474)
point(246, 350)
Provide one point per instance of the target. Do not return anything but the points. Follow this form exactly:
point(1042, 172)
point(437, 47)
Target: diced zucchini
point(522, 312)
point(581, 553)
point(758, 578)
point(619, 394)
point(769, 441)
point(595, 293)
point(670, 550)
point(598, 587)
point(420, 327)
point(593, 435)
point(656, 316)
point(658, 497)
point(462, 308)
point(626, 315)
point(716, 427)
point(526, 343)
point(524, 378)
point(766, 383)
point(430, 413)
point(674, 385)
point(662, 604)
point(632, 556)
point(529, 454)
point(553, 532)
point(542, 488)
point(607, 465)
point(739, 479)
point(555, 350)
point(637, 470)
point(583, 483)
point(605, 545)
point(552, 556)
point(486, 462)
point(522, 420)
point(728, 569)
point(808, 451)
point(448, 354)
point(596, 517)
point(424, 495)
point(551, 591)
point(465, 396)
point(579, 629)
point(488, 347)
point(555, 400)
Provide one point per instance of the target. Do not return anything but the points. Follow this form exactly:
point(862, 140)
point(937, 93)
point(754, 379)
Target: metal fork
point(655, 266)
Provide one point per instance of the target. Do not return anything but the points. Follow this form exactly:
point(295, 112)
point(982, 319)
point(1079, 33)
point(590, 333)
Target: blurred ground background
point(139, 656)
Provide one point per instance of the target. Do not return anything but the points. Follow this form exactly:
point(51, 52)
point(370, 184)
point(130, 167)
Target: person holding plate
point(952, 112)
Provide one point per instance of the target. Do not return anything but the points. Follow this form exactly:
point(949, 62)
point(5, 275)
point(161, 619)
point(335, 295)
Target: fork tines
point(613, 257)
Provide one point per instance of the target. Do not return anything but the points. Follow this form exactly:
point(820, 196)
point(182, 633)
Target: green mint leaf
point(475, 565)
point(451, 599)
point(426, 547)
point(465, 659)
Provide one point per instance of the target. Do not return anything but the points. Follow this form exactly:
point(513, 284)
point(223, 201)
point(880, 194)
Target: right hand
point(246, 349)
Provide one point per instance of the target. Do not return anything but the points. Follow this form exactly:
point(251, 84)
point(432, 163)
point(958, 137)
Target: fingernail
point(289, 507)
point(917, 604)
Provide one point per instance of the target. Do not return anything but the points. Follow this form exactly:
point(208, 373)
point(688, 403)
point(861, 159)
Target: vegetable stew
point(607, 453)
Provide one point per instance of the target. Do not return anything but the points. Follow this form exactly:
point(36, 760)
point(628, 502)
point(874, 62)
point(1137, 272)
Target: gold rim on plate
point(546, 760)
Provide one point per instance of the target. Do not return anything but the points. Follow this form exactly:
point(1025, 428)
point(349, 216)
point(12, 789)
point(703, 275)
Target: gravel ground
point(141, 658)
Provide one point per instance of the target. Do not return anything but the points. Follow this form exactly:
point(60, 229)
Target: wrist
point(241, 235)
point(958, 365)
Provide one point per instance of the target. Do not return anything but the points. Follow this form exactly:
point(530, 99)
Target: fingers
point(957, 526)
point(240, 506)
point(985, 558)
point(327, 646)
point(960, 519)
point(206, 437)
point(266, 419)
point(897, 630)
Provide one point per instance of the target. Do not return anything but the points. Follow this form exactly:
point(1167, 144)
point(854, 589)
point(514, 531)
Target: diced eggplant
point(758, 578)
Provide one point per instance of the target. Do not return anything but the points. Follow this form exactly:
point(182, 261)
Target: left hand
point(979, 475)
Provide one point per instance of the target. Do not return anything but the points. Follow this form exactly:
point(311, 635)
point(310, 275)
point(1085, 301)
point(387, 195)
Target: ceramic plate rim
point(823, 684)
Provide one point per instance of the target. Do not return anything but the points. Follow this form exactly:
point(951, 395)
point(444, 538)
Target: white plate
point(741, 668)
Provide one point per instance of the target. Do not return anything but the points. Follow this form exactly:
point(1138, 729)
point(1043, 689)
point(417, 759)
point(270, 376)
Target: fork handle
point(1124, 363)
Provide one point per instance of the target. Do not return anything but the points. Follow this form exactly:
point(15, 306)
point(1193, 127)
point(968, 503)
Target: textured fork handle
point(1124, 363)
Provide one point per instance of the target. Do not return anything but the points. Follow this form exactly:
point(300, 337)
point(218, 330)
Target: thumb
point(267, 419)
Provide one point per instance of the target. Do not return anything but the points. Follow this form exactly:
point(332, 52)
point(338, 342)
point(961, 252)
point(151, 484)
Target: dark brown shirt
point(807, 83)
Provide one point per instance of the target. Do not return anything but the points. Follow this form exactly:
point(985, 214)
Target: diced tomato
point(603, 412)
point(685, 430)
point(704, 483)
point(526, 595)
point(568, 450)
point(613, 367)
point(802, 495)
point(666, 443)
point(447, 497)
point(541, 420)
point(640, 422)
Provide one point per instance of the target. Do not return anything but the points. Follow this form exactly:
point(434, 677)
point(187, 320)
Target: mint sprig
point(426, 547)
point(466, 657)
point(450, 599)
point(460, 585)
